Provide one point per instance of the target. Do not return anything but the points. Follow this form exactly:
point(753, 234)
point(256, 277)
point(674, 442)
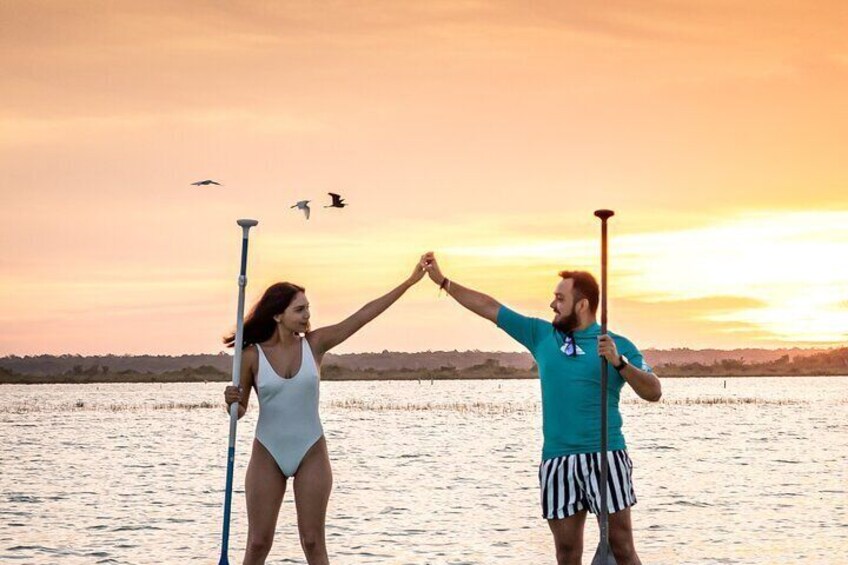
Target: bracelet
point(444, 286)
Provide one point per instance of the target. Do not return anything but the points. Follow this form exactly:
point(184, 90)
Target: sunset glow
point(487, 133)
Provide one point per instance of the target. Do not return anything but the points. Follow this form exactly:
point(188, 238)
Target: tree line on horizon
point(385, 360)
point(828, 362)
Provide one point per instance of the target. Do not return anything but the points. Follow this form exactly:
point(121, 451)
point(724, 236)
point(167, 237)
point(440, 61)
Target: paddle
point(237, 345)
point(603, 555)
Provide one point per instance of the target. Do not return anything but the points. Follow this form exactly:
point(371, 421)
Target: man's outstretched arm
point(481, 304)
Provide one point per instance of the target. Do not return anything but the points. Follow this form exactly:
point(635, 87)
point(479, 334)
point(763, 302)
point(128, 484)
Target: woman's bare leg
point(312, 485)
point(264, 488)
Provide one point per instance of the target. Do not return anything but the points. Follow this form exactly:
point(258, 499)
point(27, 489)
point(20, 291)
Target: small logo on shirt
point(570, 348)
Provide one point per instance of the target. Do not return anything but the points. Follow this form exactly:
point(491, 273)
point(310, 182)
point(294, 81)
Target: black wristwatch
point(621, 365)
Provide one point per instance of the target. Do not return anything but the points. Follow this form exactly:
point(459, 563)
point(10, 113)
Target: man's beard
point(567, 324)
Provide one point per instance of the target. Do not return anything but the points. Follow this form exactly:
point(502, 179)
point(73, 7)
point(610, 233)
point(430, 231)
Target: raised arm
point(481, 304)
point(326, 338)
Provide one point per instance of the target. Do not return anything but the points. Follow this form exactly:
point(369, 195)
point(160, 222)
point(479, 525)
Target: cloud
point(702, 305)
point(689, 322)
point(61, 59)
point(18, 131)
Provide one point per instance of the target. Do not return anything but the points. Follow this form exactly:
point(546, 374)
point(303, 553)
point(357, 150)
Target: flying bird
point(206, 182)
point(338, 201)
point(303, 205)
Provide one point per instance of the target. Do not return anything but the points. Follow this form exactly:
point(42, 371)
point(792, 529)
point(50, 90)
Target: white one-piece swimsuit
point(288, 423)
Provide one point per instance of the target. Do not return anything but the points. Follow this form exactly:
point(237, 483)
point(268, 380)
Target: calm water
point(441, 473)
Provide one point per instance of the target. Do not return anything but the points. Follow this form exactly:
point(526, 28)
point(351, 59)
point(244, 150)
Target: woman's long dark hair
point(259, 325)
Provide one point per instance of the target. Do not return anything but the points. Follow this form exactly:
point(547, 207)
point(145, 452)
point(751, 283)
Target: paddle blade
point(603, 556)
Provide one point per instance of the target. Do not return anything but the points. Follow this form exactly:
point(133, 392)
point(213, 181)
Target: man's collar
point(591, 330)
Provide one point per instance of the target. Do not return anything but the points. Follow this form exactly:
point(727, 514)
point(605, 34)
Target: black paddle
point(603, 555)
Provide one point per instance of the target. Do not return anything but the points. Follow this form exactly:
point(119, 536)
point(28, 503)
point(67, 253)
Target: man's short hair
point(585, 286)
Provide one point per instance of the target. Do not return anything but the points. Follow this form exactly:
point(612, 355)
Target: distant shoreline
point(333, 374)
point(388, 366)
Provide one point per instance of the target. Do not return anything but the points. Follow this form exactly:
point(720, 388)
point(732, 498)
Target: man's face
point(565, 315)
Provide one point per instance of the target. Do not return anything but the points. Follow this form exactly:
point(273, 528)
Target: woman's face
point(295, 318)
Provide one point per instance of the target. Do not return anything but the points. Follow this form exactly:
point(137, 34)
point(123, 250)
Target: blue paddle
point(231, 450)
point(603, 555)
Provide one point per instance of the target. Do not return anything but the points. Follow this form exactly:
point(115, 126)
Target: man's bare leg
point(568, 538)
point(621, 538)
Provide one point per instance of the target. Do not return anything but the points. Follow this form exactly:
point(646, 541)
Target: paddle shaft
point(603, 554)
point(604, 382)
point(239, 338)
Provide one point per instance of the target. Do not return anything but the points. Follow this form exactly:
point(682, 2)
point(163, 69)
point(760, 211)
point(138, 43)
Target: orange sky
point(488, 132)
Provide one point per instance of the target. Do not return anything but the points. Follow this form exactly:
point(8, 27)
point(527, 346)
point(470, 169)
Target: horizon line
point(386, 351)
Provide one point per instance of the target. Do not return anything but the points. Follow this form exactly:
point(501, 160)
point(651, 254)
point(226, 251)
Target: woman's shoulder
point(250, 352)
point(312, 339)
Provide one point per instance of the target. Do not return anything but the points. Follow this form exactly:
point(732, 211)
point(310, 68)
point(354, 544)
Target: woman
point(281, 360)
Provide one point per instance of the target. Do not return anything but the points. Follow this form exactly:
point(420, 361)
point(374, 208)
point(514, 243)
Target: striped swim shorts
point(569, 484)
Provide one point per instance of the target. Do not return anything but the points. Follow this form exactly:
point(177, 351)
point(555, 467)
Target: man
point(567, 352)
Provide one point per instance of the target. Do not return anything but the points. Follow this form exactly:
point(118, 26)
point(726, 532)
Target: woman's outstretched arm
point(326, 338)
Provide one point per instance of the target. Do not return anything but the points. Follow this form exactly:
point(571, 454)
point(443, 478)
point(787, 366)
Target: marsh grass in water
point(470, 407)
point(486, 408)
point(26, 406)
point(726, 400)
